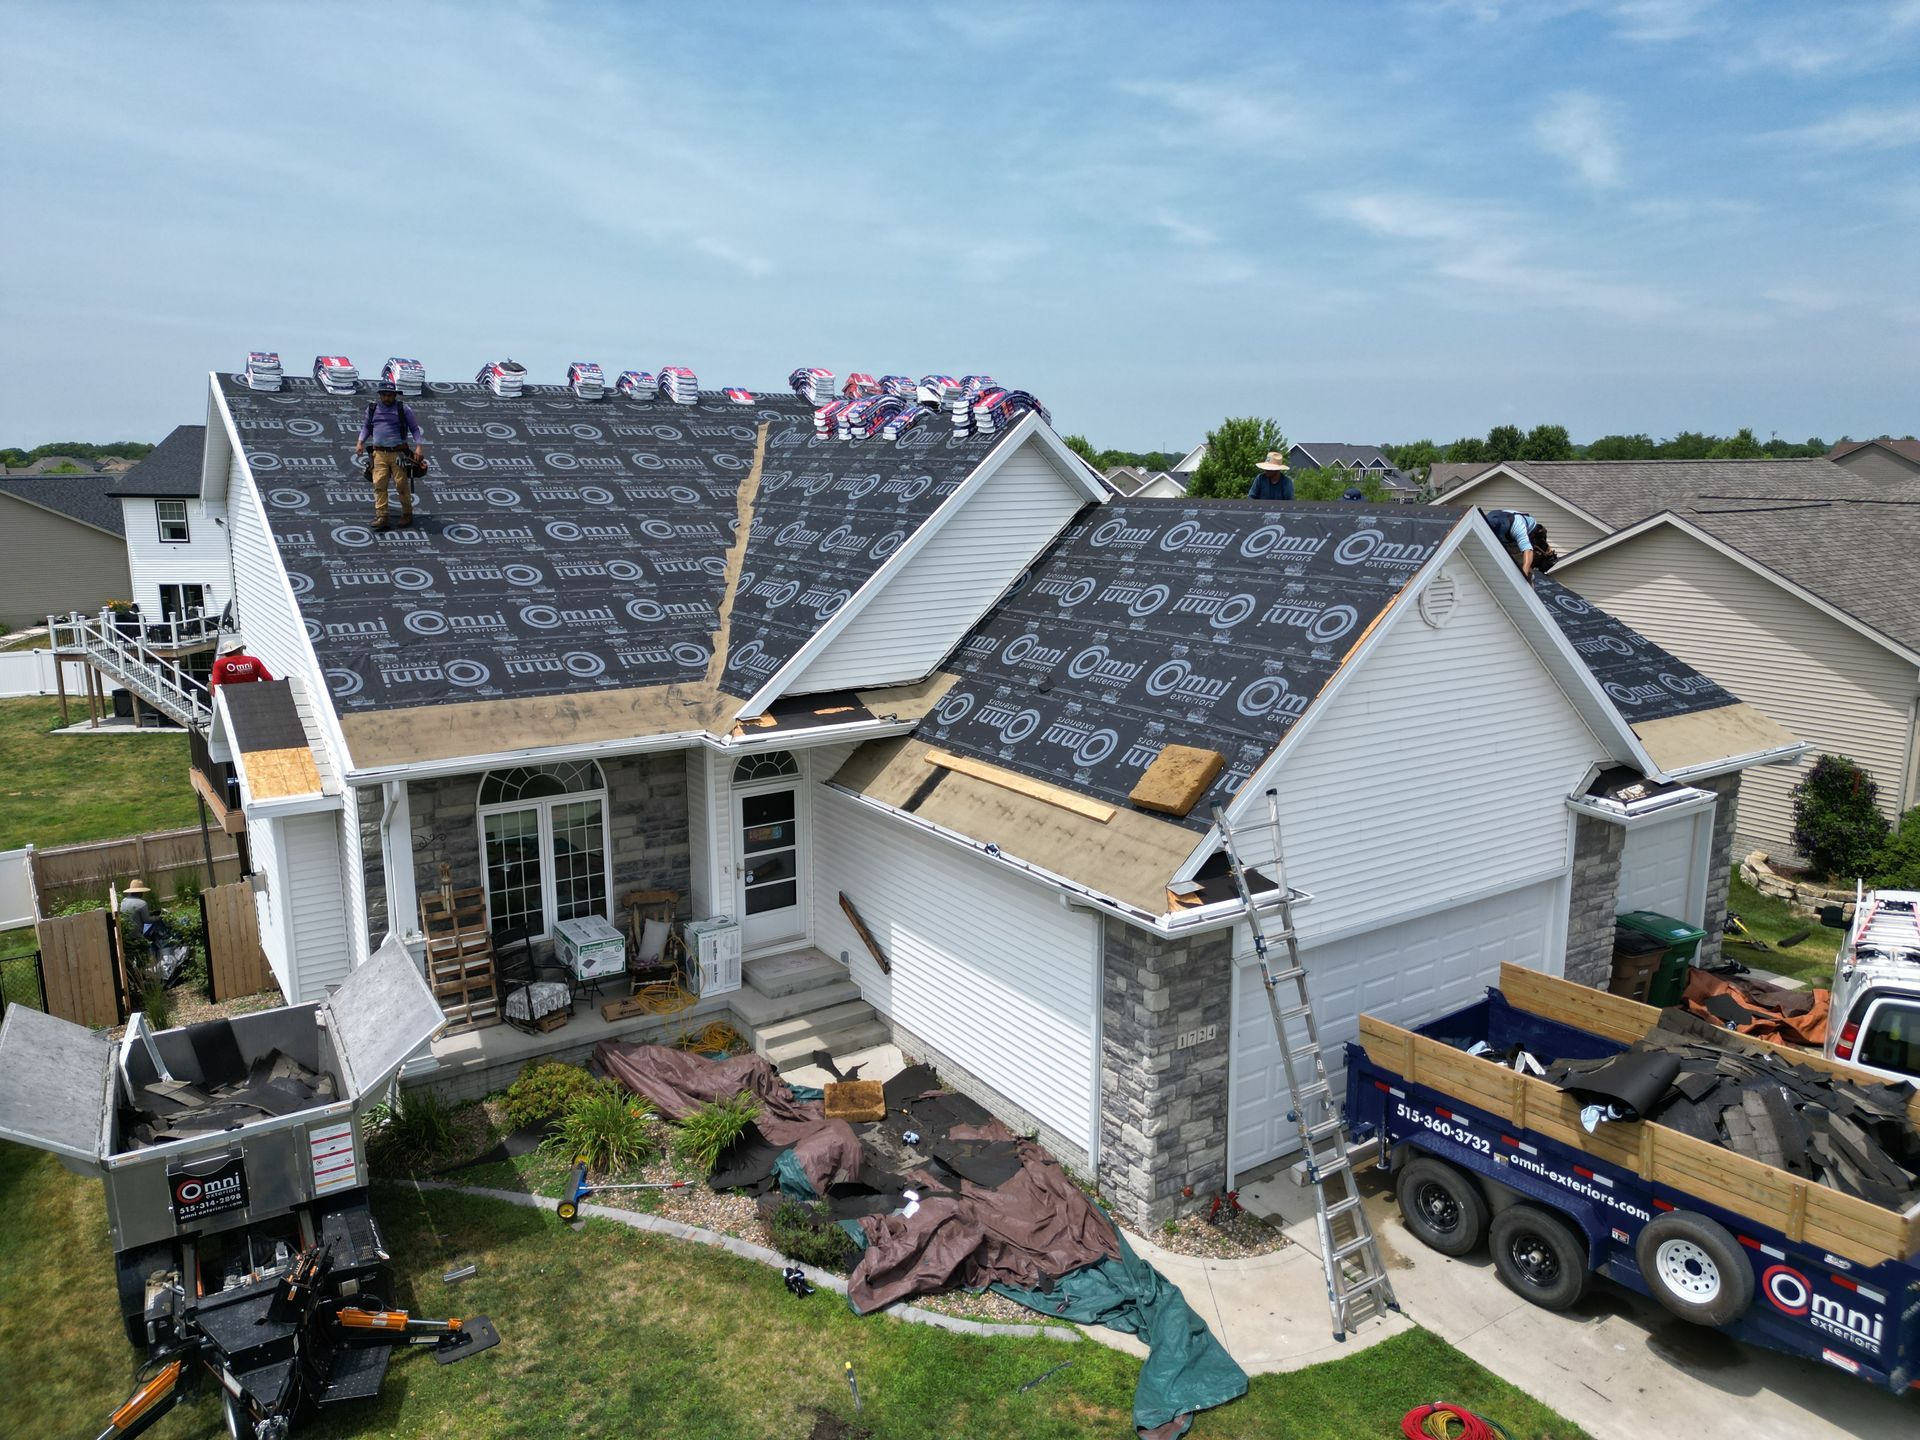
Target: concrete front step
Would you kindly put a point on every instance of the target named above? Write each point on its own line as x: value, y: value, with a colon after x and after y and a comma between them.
x: 778, y: 975
x: 758, y: 1011
x: 828, y: 1017
x: 800, y: 1049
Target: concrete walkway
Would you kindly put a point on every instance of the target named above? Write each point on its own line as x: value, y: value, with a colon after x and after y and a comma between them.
x: 1617, y: 1364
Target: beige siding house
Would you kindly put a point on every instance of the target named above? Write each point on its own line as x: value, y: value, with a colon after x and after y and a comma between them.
x: 1568, y: 528
x: 1885, y: 460
x: 62, y: 547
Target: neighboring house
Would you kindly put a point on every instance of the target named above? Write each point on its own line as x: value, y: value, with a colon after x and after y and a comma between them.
x: 1133, y: 482
x: 1785, y: 580
x: 1184, y: 467
x: 177, y: 546
x: 1881, y: 459
x: 638, y: 644
x: 1447, y: 475
x: 62, y: 547
x: 1361, y: 459
x: 56, y: 465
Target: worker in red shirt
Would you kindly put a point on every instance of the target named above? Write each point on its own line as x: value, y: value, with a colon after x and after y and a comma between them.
x: 235, y: 667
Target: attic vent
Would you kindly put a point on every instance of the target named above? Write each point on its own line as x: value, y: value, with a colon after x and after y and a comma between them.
x: 409, y: 377
x: 585, y: 380
x: 678, y: 384
x: 1438, y: 600
x: 263, y: 370
x: 336, y: 374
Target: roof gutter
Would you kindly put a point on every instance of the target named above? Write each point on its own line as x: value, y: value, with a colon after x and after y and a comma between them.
x: 1779, y: 755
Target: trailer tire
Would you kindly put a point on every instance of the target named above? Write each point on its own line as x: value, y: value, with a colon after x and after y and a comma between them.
x: 1694, y: 1268
x: 1541, y: 1257
x: 1442, y: 1206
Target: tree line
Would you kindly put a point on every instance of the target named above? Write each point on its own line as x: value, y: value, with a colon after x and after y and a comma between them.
x: 14, y: 458
x: 1551, y: 442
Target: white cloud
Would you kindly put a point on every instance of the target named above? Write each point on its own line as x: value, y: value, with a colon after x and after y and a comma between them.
x: 1229, y: 111
x: 1806, y: 299
x: 1659, y: 20
x: 1578, y: 128
x: 1865, y: 128
x: 1184, y: 231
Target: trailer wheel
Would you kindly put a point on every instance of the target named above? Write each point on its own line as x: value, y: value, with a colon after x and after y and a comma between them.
x: 1695, y: 1268
x: 1442, y: 1206
x: 1540, y: 1256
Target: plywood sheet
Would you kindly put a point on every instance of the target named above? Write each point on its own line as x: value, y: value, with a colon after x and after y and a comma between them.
x: 280, y: 774
x: 1700, y: 738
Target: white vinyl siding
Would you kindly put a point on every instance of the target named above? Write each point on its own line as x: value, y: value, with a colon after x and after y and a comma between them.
x: 1439, y: 770
x: 203, y: 560
x: 1566, y: 532
x: 1824, y: 681
x: 315, y: 904
x: 991, y: 970
x: 263, y: 845
x: 1663, y: 867
x: 272, y: 626
x: 944, y: 588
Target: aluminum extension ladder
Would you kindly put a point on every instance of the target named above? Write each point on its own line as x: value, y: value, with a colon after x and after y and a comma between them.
x: 1357, y: 1284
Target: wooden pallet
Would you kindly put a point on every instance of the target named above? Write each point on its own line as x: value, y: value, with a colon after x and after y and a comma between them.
x: 460, y: 955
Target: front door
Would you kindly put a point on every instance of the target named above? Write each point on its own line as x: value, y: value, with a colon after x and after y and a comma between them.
x: 770, y: 863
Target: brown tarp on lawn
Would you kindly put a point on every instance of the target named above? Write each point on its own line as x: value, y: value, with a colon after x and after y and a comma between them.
x: 1753, y: 1007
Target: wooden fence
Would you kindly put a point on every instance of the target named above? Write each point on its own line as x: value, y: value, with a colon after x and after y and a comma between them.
x: 80, y: 968
x: 85, y: 872
x: 236, y: 965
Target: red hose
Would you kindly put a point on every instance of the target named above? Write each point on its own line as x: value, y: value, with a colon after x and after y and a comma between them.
x: 1441, y: 1421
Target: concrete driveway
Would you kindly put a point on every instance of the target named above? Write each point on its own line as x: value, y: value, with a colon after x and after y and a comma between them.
x: 1617, y: 1364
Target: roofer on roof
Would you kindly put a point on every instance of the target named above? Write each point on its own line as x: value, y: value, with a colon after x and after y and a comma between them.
x: 235, y: 667
x: 1525, y: 539
x: 388, y: 428
x: 1273, y: 482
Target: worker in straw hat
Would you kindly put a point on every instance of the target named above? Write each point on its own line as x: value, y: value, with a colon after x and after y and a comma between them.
x: 133, y: 905
x: 1273, y: 482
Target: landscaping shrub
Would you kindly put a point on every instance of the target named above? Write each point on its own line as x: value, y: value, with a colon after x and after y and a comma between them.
x: 1836, y: 823
x: 1898, y: 865
x: 412, y: 1133
x: 710, y: 1129
x: 807, y: 1234
x: 544, y: 1089
x: 608, y: 1127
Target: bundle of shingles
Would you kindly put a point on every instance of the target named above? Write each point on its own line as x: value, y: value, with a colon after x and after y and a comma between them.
x: 638, y: 384
x: 1851, y: 1136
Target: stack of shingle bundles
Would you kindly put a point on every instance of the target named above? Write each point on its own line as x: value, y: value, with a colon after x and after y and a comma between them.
x: 585, y: 380
x: 959, y: 405
x: 899, y: 385
x: 637, y: 384
x: 935, y: 389
x: 677, y: 383
x: 738, y: 396
x: 995, y: 410
x: 409, y: 377
x: 826, y: 419
x: 908, y: 416
x: 1851, y: 1136
x: 812, y: 384
x: 505, y: 378
x: 865, y: 416
x: 860, y: 385
x: 263, y: 370
x: 336, y: 374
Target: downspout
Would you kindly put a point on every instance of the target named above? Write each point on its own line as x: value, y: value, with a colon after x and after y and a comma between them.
x: 392, y: 794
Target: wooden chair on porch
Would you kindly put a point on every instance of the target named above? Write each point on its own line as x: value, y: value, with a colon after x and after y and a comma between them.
x: 655, y: 951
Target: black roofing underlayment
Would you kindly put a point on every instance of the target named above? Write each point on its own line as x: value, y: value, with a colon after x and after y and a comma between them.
x: 1149, y: 622
x: 563, y: 545
x: 1642, y: 680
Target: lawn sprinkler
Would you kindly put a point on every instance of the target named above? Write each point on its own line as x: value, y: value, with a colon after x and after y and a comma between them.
x: 578, y: 1189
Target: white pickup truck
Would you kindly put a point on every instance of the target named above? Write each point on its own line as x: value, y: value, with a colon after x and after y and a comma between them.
x: 1875, y: 1018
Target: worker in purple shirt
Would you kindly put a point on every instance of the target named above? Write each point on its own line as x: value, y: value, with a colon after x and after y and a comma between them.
x: 391, y: 432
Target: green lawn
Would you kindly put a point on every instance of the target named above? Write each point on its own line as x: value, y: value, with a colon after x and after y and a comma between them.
x: 1811, y: 960
x: 608, y: 1332
x: 26, y: 642
x: 69, y: 789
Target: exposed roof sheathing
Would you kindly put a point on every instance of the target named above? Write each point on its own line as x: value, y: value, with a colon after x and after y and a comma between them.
x: 1207, y: 623
x: 580, y: 552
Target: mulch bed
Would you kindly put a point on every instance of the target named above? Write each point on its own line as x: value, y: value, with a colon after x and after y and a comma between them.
x: 1240, y: 1238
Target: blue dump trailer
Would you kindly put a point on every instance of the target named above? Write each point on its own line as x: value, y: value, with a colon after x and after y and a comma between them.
x: 1484, y: 1154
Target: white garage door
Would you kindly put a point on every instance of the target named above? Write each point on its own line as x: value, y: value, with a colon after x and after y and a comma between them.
x: 1660, y: 868
x: 1407, y: 972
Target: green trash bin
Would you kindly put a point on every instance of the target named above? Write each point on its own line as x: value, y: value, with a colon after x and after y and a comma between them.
x: 1682, y: 943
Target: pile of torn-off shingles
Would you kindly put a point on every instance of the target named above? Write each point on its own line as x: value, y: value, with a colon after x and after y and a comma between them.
x: 275, y: 1084
x: 1854, y: 1138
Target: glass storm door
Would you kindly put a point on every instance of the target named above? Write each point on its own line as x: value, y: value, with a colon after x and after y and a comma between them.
x: 769, y: 865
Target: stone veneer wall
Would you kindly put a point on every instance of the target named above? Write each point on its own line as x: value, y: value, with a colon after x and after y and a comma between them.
x: 646, y: 820
x: 1719, y: 861
x: 1163, y: 1111
x: 1597, y: 846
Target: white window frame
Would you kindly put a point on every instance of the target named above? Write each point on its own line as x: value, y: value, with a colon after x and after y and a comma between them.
x: 549, y: 888
x: 161, y: 522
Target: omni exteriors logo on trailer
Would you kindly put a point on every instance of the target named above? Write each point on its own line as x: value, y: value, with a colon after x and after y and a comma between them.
x: 1790, y: 1293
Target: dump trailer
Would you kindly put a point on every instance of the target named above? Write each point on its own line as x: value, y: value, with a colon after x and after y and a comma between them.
x: 234, y: 1159
x: 1487, y: 1154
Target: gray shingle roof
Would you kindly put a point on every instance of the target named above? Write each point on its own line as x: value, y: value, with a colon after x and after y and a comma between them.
x: 1446, y: 474
x: 86, y: 498
x: 1318, y: 453
x: 1619, y: 493
x: 170, y: 469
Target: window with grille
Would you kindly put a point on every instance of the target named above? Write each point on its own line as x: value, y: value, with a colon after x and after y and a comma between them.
x: 768, y: 765
x: 172, y: 515
x: 543, y: 835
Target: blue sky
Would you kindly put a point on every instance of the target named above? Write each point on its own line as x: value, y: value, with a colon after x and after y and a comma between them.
x: 1371, y: 221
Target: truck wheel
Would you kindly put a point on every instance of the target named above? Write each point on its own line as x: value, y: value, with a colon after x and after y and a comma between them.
x: 1694, y: 1268
x: 1540, y: 1256
x: 1442, y: 1206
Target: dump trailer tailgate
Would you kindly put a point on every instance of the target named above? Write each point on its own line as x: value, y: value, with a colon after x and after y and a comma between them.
x: 53, y: 1085
x: 384, y: 1013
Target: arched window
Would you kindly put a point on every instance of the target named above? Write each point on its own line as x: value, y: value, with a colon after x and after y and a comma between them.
x: 767, y: 765
x: 543, y: 837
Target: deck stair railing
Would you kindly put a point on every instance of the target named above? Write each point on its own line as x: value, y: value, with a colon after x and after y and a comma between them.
x: 130, y: 652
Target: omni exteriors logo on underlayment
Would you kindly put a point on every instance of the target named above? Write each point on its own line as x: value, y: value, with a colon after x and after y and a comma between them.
x: 1788, y: 1291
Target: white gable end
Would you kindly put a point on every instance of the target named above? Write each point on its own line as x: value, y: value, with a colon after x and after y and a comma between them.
x: 912, y: 624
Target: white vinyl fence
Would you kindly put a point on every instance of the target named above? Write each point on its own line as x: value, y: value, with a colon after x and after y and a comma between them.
x: 16, y: 888
x: 30, y: 672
